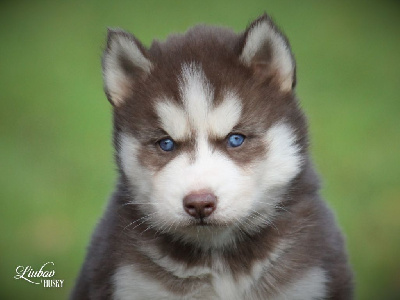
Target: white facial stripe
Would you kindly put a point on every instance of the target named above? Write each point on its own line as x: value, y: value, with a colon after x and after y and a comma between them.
x: 131, y: 165
x: 225, y: 116
x: 197, y: 95
x: 129, y: 149
x: 283, y: 161
x: 173, y: 120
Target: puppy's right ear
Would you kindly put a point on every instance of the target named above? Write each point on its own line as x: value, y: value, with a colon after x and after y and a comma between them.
x: 124, y: 60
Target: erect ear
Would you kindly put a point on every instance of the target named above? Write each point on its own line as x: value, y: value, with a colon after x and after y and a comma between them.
x: 124, y: 60
x: 267, y: 51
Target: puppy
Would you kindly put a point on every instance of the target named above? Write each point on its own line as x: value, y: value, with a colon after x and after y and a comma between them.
x: 216, y: 195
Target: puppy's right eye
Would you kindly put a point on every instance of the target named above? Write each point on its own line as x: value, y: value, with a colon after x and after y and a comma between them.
x: 166, y: 144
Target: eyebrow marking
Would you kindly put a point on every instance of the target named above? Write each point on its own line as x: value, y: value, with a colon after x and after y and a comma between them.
x: 173, y: 120
x: 225, y: 116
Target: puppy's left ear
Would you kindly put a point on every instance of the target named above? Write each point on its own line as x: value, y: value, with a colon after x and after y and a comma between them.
x: 267, y: 52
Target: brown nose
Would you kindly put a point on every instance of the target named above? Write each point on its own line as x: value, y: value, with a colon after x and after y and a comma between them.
x: 200, y: 205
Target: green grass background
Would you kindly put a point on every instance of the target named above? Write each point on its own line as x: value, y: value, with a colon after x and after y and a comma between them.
x: 55, y: 123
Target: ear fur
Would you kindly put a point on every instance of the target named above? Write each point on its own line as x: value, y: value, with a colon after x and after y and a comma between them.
x: 267, y: 51
x: 124, y: 59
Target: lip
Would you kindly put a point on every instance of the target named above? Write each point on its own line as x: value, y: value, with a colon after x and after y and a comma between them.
x: 203, y: 224
x: 206, y: 223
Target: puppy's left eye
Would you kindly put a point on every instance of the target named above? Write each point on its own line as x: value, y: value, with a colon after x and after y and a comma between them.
x: 166, y: 144
x: 235, y: 140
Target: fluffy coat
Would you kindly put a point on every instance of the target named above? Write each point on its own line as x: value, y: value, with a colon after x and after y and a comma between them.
x: 225, y: 105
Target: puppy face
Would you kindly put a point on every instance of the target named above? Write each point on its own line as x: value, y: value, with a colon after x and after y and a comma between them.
x: 207, y: 129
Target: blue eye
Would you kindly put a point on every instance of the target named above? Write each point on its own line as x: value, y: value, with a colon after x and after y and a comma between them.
x: 166, y: 144
x: 235, y: 140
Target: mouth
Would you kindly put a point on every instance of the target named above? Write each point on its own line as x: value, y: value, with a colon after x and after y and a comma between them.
x: 205, y: 222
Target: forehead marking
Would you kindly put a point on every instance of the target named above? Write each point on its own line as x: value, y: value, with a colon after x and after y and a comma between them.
x: 197, y: 113
x: 197, y: 94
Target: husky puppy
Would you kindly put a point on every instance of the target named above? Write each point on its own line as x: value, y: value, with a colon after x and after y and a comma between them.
x: 216, y: 196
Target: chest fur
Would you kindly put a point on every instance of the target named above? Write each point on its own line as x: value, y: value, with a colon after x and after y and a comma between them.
x: 130, y: 283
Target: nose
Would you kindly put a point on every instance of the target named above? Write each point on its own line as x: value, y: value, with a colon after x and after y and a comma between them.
x: 200, y: 205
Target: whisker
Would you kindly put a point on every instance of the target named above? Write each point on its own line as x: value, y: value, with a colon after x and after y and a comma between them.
x: 146, y: 217
x: 238, y: 226
x: 160, y: 230
x: 147, y: 228
x: 265, y: 219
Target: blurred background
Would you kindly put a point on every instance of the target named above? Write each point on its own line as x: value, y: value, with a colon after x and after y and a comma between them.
x: 55, y: 123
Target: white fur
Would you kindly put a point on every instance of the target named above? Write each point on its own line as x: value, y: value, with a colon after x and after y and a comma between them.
x: 173, y: 120
x: 283, y: 161
x: 225, y: 116
x: 197, y: 94
x: 227, y: 288
x: 139, y: 175
x: 130, y: 284
x: 282, y: 60
x: 115, y: 80
x: 311, y: 286
x: 210, y: 171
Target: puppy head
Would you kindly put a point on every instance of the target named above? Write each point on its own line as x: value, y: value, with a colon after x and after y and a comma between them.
x: 207, y: 129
